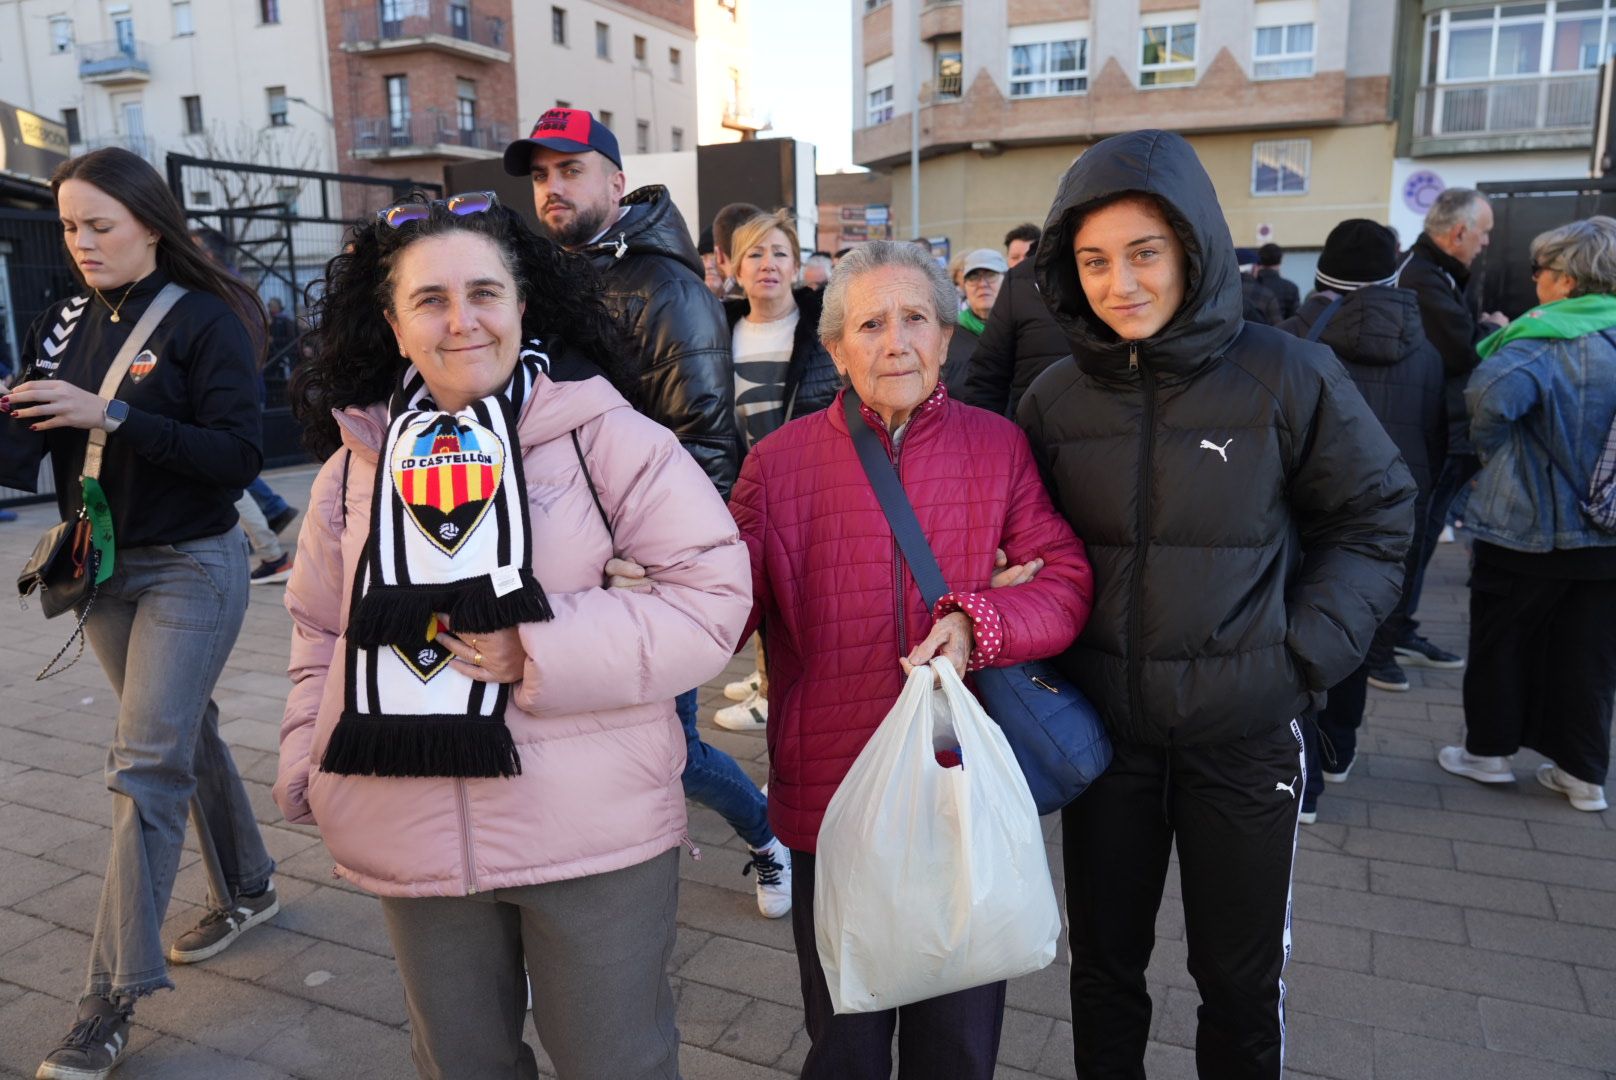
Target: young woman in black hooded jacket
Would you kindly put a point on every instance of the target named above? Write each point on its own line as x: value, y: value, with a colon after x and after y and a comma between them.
x: 1246, y: 518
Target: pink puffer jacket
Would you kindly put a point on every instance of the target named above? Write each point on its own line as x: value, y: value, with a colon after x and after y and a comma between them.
x: 593, y: 720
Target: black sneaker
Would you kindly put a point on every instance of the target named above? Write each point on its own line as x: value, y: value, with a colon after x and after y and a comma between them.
x: 93, y: 1048
x: 218, y: 930
x: 1417, y: 652
x: 272, y: 571
x: 283, y: 519
x: 1386, y: 675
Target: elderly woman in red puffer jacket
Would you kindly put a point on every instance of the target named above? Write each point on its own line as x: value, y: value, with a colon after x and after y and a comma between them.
x: 844, y: 617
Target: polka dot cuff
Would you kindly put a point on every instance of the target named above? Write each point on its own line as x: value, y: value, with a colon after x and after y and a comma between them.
x: 986, y: 626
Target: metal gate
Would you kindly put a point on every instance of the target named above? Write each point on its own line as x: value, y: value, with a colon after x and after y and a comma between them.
x: 275, y: 228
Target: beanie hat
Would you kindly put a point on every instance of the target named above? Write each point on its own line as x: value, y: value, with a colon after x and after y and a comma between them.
x: 1358, y: 252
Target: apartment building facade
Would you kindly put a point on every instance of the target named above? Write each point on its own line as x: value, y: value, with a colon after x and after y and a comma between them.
x: 389, y: 88
x: 1288, y: 103
x: 1495, y: 92
x: 248, y: 78
x: 632, y: 63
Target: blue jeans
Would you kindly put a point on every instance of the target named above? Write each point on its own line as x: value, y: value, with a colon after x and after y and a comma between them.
x: 162, y: 627
x: 713, y: 779
x: 264, y: 495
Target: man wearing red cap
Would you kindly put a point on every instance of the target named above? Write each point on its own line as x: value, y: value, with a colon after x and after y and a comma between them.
x: 654, y: 279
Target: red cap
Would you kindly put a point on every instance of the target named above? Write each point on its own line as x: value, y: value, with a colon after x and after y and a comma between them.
x: 572, y: 130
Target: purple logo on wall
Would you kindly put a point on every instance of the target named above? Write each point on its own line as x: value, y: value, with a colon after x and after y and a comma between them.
x: 1421, y: 189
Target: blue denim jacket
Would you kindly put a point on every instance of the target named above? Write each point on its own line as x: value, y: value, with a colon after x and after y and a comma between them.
x: 1540, y: 410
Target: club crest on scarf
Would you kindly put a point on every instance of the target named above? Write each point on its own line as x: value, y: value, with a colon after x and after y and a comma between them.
x: 446, y: 470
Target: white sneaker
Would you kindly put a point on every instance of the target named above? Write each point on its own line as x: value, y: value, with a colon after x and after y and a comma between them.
x: 1583, y: 795
x: 1339, y: 777
x: 750, y: 715
x: 773, y: 865
x: 1446, y: 535
x: 740, y: 691
x: 1483, y: 770
x: 1308, y: 817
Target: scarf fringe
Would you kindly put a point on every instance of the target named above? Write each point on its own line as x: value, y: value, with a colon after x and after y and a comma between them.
x: 397, y: 614
x: 368, y: 745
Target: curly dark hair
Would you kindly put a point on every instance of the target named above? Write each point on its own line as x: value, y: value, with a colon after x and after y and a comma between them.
x: 354, y: 359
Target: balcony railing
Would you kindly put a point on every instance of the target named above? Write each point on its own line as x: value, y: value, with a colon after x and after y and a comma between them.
x: 1556, y: 103
x: 114, y: 62
x: 416, y: 23
x: 950, y: 86
x: 427, y: 134
x: 144, y: 145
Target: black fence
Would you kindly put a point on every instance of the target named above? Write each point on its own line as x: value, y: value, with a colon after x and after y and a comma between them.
x: 34, y: 274
x: 275, y: 228
x: 1522, y: 210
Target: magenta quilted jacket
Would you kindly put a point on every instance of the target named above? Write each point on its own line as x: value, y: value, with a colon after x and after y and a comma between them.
x: 840, y: 607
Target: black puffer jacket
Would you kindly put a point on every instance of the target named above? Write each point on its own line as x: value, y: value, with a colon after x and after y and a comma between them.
x: 1020, y: 340
x: 1438, y: 279
x: 1283, y: 288
x: 811, y: 380
x: 654, y: 285
x: 1376, y: 333
x: 1245, y: 515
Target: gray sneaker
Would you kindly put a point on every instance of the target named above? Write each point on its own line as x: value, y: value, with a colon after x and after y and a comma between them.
x: 218, y: 930
x: 93, y: 1048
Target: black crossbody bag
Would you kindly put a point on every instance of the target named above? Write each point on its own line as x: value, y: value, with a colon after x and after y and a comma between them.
x: 1055, y: 732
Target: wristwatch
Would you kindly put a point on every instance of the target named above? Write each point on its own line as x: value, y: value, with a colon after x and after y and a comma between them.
x: 113, y: 416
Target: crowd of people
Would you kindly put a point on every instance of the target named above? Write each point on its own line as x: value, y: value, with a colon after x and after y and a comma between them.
x: 567, y: 474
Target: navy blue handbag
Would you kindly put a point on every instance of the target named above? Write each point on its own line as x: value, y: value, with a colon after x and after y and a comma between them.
x: 1055, y: 732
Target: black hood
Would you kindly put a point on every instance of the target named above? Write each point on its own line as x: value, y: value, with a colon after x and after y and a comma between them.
x: 1376, y: 326
x: 656, y: 228
x: 1162, y: 164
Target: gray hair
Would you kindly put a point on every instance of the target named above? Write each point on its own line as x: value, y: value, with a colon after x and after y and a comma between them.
x: 873, y: 256
x: 1455, y: 206
x: 824, y: 262
x: 1585, y: 250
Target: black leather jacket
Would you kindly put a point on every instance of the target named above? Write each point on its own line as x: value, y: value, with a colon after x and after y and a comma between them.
x: 654, y: 285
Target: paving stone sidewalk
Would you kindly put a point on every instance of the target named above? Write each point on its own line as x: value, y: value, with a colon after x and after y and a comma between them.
x: 1442, y: 929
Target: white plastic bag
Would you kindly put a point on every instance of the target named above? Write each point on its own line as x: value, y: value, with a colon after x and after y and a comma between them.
x: 930, y: 879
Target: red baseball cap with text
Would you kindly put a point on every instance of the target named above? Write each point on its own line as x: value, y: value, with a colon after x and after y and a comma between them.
x: 568, y: 130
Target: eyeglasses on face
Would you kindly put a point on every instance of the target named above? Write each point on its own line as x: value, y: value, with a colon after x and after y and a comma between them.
x: 1538, y: 269
x: 467, y: 202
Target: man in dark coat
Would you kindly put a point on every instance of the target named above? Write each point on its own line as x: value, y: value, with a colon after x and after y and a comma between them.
x: 1269, y: 258
x: 982, y: 276
x: 1374, y: 329
x: 653, y: 276
x: 1020, y: 340
x: 1457, y: 229
x: 1246, y: 518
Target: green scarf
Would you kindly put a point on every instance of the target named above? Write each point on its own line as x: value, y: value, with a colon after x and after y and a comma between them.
x: 1559, y: 320
x: 968, y: 319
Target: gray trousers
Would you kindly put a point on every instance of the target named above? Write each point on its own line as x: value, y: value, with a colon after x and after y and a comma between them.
x: 162, y: 627
x: 597, y: 951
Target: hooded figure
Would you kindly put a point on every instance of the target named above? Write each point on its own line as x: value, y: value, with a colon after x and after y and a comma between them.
x: 1374, y: 328
x: 1246, y: 518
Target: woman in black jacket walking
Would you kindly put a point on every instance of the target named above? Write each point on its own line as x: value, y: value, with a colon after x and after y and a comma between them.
x: 1246, y: 518
x: 1375, y: 331
x: 182, y: 441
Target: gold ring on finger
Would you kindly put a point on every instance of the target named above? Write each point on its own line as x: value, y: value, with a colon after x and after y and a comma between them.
x: 477, y: 659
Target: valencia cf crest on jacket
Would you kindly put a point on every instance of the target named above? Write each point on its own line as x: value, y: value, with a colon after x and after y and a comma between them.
x: 142, y: 365
x: 446, y: 470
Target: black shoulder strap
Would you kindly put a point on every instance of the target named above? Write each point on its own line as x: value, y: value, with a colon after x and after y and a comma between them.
x: 1324, y: 318
x: 578, y: 448
x: 895, y: 504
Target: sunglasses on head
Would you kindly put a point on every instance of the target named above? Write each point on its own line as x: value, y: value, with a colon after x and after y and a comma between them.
x: 467, y: 202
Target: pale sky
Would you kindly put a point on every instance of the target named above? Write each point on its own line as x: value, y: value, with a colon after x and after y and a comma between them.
x: 802, y: 74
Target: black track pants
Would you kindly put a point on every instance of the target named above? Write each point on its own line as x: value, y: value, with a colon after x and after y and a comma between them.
x: 1232, y: 808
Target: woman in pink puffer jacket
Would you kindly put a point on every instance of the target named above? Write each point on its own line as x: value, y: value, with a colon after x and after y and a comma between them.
x: 572, y: 861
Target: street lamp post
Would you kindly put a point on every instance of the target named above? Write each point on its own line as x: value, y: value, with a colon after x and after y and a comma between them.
x: 914, y: 125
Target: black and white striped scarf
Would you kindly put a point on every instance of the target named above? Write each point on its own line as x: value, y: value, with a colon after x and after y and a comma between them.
x: 449, y: 534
